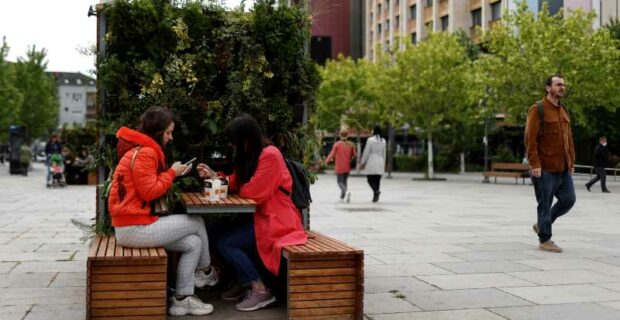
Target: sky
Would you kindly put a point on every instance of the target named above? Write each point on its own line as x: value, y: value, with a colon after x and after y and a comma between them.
x: 62, y: 27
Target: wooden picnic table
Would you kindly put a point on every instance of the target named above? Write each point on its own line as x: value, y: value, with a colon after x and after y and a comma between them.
x: 197, y: 203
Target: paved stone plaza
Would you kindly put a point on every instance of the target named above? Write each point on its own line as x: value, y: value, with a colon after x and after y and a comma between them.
x: 456, y: 249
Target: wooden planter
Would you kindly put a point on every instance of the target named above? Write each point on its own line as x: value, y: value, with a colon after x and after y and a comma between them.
x: 325, y: 280
x: 125, y: 283
x: 92, y: 178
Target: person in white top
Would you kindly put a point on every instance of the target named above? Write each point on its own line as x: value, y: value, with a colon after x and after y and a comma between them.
x: 373, y: 161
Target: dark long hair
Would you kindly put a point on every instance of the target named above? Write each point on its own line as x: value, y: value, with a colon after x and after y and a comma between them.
x: 245, y: 135
x: 153, y: 123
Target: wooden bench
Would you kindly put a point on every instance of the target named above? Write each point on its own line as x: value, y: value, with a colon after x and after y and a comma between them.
x: 125, y: 283
x: 325, y: 279
x: 513, y: 170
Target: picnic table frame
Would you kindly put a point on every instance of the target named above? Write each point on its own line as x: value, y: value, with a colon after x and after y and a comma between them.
x: 197, y: 203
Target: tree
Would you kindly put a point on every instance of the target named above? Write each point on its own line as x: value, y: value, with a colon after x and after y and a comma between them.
x: 428, y: 84
x: 10, y: 97
x: 525, y: 48
x: 39, y: 108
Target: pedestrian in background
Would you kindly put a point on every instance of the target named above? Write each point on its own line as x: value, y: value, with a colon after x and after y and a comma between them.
x: 373, y: 161
x: 601, y: 158
x: 343, y: 152
x: 25, y: 155
x: 551, y: 155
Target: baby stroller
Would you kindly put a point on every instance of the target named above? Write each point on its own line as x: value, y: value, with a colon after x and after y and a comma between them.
x: 56, y: 172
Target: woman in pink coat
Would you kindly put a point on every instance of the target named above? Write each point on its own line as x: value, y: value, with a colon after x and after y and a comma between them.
x: 343, y: 152
x: 259, y: 174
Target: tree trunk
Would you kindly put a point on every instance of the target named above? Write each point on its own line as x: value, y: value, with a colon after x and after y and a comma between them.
x: 462, y: 162
x: 390, y: 149
x: 358, y: 147
x: 430, y: 154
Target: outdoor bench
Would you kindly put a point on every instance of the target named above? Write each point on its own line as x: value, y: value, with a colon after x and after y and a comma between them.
x: 125, y: 283
x: 512, y: 170
x: 325, y: 279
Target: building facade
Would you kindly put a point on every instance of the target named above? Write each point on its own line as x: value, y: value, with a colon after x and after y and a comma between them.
x: 336, y: 29
x: 77, y: 97
x: 386, y: 20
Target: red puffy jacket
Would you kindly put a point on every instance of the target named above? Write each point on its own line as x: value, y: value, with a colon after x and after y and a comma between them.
x: 132, y: 190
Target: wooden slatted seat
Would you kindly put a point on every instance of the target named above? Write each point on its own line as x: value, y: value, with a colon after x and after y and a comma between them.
x: 125, y: 283
x: 510, y: 170
x: 325, y: 279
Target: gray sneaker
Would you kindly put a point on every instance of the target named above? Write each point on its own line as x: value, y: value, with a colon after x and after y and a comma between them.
x: 256, y: 300
x: 235, y: 293
x: 202, y: 279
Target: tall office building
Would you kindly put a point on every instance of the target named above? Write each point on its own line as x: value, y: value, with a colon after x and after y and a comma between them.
x: 414, y: 19
x: 336, y: 29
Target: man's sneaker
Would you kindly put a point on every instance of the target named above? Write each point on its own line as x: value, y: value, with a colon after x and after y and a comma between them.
x: 347, y: 197
x: 606, y: 191
x: 549, y: 246
x: 201, y: 279
x: 235, y: 293
x: 535, y: 227
x: 588, y: 187
x: 190, y: 305
x: 255, y: 300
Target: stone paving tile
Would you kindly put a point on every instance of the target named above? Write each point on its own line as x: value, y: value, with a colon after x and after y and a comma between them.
x: 42, y: 296
x: 463, y: 299
x: 69, y: 279
x: 473, y: 281
x: 484, y: 266
x: 375, y: 303
x: 576, y: 311
x: 611, y: 286
x: 26, y: 280
x: 57, y: 312
x: 610, y: 260
x: 492, y: 255
x: 554, y: 277
x: 387, y: 284
x: 5, y: 267
x: 498, y: 246
x: 416, y: 248
x: 415, y: 258
x: 403, y: 270
x: 13, y: 312
x: 573, y: 293
x: 611, y: 304
x: 35, y: 256
x: 51, y: 266
x: 473, y: 314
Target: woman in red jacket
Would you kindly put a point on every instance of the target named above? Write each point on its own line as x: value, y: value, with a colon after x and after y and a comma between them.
x: 343, y: 152
x: 140, y: 178
x: 260, y: 173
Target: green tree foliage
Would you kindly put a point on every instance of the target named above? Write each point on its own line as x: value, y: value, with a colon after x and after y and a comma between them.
x: 525, y: 48
x: 429, y: 84
x: 10, y: 97
x: 207, y: 65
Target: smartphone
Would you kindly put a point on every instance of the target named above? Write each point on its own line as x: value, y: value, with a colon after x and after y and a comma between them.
x: 190, y: 161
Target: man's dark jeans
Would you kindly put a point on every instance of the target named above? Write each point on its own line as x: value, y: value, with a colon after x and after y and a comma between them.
x: 547, y: 186
x: 600, y: 175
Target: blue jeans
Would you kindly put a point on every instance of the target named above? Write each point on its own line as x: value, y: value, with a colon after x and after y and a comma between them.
x: 547, y: 186
x: 237, y: 247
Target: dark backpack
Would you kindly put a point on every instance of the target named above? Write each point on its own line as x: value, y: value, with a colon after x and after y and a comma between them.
x: 301, y: 187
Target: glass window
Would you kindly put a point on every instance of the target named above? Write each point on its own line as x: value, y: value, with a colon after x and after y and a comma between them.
x: 387, y: 24
x: 496, y: 11
x: 445, y: 21
x: 379, y: 8
x: 396, y: 22
x: 413, y: 13
x: 429, y: 3
x: 413, y: 38
x: 378, y: 28
x: 476, y: 17
x: 387, y: 5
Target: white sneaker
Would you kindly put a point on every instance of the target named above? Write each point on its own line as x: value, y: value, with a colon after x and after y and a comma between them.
x: 347, y: 197
x: 190, y: 305
x: 201, y: 279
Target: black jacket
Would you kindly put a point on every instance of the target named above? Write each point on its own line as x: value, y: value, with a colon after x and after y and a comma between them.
x: 601, y: 156
x: 52, y: 147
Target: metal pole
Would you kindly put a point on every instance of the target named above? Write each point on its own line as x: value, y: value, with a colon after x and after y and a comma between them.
x: 486, y: 147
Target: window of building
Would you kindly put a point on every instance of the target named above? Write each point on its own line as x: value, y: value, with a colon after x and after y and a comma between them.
x: 77, y: 96
x: 387, y: 24
x: 429, y: 26
x: 429, y: 3
x: 554, y: 6
x: 371, y: 17
x: 78, y: 81
x: 378, y: 28
x: 379, y: 8
x: 396, y: 22
x: 476, y: 18
x: 387, y: 5
x: 397, y: 3
x: 445, y: 21
x: 413, y: 38
x: 496, y: 11
x: 413, y: 13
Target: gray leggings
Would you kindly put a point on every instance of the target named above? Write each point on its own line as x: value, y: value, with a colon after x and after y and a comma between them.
x: 183, y: 233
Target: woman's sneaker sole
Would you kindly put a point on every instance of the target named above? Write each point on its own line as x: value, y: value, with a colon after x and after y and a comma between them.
x: 180, y: 311
x: 260, y: 305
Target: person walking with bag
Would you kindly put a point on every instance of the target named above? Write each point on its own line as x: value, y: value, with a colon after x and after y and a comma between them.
x: 601, y: 160
x: 139, y: 179
x: 551, y: 156
x: 343, y: 152
x: 373, y: 161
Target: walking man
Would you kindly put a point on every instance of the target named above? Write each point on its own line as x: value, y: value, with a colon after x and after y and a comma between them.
x: 601, y: 156
x: 551, y: 156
